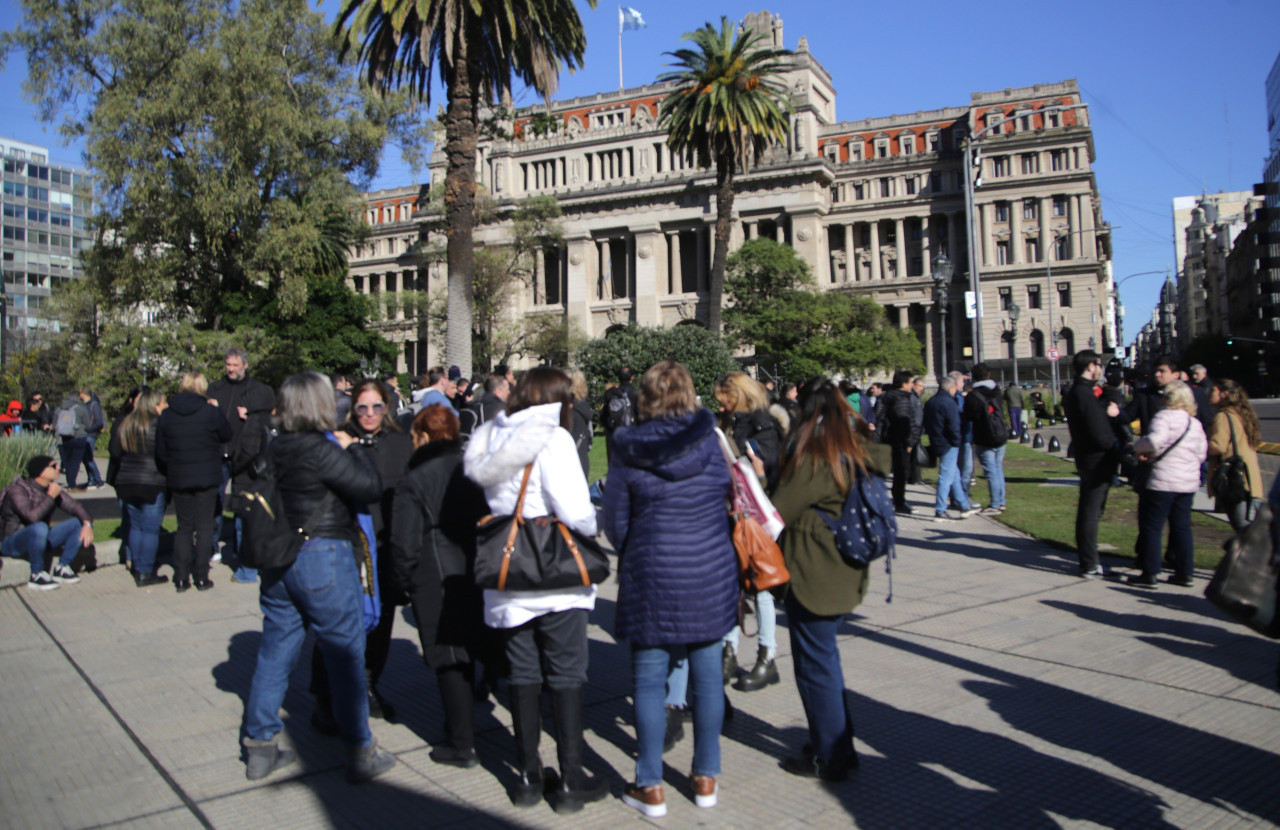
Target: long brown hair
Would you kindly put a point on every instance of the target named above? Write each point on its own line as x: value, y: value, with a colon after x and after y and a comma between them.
x: 1231, y: 395
x: 542, y: 385
x: 373, y: 385
x: 825, y: 432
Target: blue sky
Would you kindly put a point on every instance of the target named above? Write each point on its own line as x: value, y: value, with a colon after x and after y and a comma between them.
x: 1175, y: 88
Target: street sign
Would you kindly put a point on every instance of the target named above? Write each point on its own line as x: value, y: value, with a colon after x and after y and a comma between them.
x: 972, y: 304
x: 1053, y: 354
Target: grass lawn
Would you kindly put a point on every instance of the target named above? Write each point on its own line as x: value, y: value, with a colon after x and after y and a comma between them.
x: 1049, y: 513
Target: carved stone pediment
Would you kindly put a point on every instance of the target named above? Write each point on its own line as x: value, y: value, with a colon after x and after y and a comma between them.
x: 688, y: 309
x: 616, y: 314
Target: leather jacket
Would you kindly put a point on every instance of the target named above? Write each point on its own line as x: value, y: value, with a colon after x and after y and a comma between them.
x: 308, y: 465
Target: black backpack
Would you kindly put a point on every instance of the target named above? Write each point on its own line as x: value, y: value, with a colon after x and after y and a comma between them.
x: 269, y: 540
x: 617, y: 409
x: 989, y: 426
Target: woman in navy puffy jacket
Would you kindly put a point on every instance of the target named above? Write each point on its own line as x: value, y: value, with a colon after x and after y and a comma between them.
x: 665, y: 513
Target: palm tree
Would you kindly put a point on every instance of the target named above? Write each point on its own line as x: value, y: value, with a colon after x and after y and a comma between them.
x: 729, y: 107
x: 479, y: 46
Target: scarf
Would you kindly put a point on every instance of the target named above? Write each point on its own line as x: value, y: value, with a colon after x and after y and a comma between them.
x: 366, y: 562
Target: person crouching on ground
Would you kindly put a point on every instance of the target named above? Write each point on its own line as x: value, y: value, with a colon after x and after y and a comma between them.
x: 25, y: 510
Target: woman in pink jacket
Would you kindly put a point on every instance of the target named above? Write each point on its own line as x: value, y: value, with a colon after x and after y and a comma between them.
x: 1176, y: 446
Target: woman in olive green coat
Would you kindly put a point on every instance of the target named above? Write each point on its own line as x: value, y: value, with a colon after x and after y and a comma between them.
x: 822, y: 458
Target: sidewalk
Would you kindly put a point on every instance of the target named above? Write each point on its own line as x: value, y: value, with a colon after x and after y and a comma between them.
x: 997, y: 690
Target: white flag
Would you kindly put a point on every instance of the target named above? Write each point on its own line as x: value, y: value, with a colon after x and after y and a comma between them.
x: 629, y: 18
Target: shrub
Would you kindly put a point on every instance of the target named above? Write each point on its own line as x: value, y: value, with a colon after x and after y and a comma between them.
x: 706, y: 356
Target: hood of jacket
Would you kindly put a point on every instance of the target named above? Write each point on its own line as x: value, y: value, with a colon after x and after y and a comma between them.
x: 502, y: 447
x: 71, y: 402
x: 665, y: 446
x: 187, y: 403
x: 986, y: 384
x: 432, y: 450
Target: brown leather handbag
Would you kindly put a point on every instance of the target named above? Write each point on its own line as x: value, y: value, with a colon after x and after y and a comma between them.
x: 759, y: 557
x: 518, y: 554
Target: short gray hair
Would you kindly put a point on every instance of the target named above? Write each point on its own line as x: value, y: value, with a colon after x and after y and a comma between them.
x: 946, y: 382
x: 306, y: 404
x: 238, y: 353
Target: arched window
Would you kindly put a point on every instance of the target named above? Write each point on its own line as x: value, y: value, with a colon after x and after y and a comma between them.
x: 1037, y: 343
x: 1010, y: 349
x: 1067, y: 337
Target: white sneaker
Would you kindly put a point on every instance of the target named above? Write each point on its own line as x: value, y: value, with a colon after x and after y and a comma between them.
x: 42, y: 582
x: 63, y: 574
x: 215, y: 559
x: 972, y: 511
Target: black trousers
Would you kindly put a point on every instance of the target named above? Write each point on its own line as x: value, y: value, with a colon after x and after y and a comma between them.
x: 901, y: 472
x: 1094, y: 486
x: 195, y: 510
x: 554, y: 645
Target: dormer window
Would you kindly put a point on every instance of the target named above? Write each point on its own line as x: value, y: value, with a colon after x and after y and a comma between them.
x: 907, y: 143
x: 994, y: 119
x: 855, y: 150
x: 831, y: 150
x: 933, y: 140
x: 882, y: 146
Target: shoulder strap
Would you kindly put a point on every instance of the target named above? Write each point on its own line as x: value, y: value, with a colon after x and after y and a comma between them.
x: 1168, y: 449
x: 517, y: 519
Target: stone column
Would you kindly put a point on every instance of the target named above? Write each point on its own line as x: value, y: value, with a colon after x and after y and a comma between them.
x: 902, y: 315
x: 875, y: 250
x: 1073, y: 224
x: 650, y: 270
x: 1088, y: 245
x: 900, y: 244
x: 780, y: 231
x: 579, y: 251
x: 808, y: 240
x: 539, y: 269
x: 1046, y: 233
x: 926, y: 246
x: 984, y: 234
x: 850, y: 257
x: 1015, y: 232
x: 928, y: 336
x: 753, y: 230
x: 675, y: 274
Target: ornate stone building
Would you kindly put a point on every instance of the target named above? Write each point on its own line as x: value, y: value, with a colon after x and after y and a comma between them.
x: 869, y: 204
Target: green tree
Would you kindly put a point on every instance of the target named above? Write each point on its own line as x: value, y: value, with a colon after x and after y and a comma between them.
x: 223, y: 138
x: 705, y: 355
x: 778, y: 310
x: 480, y: 48
x: 728, y: 106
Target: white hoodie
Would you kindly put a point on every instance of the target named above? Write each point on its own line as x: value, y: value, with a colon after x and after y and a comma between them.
x: 495, y: 459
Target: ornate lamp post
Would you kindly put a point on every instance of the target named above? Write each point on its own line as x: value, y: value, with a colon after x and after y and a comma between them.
x: 1015, y: 311
x: 942, y: 270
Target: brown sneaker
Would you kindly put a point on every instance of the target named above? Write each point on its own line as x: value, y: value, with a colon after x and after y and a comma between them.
x: 705, y: 790
x: 648, y: 800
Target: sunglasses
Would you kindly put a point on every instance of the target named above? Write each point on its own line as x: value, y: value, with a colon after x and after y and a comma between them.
x: 53, y: 465
x: 37, y: 400
x: 370, y: 408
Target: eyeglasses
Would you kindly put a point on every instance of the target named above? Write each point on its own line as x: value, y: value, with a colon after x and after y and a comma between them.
x: 370, y: 408
x: 37, y: 400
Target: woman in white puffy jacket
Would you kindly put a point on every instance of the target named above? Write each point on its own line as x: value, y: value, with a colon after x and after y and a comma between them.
x: 541, y: 628
x: 1177, y: 444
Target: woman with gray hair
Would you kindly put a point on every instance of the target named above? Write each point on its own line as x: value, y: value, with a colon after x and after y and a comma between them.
x: 1175, y: 447
x: 319, y: 473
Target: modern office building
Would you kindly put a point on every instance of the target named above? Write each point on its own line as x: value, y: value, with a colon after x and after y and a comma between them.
x: 46, y: 212
x: 868, y: 203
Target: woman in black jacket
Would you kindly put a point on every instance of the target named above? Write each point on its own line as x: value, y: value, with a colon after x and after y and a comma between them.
x: 319, y: 474
x: 189, y: 452
x: 370, y: 421
x: 140, y: 485
x: 433, y: 550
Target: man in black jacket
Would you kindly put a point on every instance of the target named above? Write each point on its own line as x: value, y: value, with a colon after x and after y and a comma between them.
x: 898, y: 428
x: 1095, y: 454
x: 496, y: 391
x: 985, y: 411
x: 247, y: 405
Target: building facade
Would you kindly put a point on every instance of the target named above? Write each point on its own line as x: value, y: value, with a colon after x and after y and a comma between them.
x: 46, y: 211
x: 1202, y: 226
x: 869, y: 204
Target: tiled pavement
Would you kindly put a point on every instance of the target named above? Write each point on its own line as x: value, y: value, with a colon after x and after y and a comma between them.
x: 997, y: 690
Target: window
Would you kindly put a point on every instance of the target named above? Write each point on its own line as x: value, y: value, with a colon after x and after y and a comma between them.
x: 1053, y: 120
x: 999, y: 166
x: 1030, y: 163
x: 1037, y: 343
x: 1059, y: 205
x: 16, y: 234
x: 935, y: 182
x: 1060, y: 248
x: 1002, y: 211
x: 1029, y: 209
x: 907, y: 143
x: 886, y: 188
x: 855, y: 150
x: 831, y: 150
x: 1057, y: 160
x: 1024, y: 121
x: 1032, y: 250
x: 911, y: 185
x: 993, y: 119
x: 1033, y: 296
x: 1069, y: 337
x: 1002, y: 252
x: 1006, y: 298
x: 933, y: 140
x: 858, y: 194
x: 882, y: 148
x: 15, y: 189
x: 13, y: 211
x: 1064, y: 295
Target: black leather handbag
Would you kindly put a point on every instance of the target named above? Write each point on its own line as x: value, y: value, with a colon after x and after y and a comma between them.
x: 1231, y: 479
x: 514, y: 553
x: 1244, y: 584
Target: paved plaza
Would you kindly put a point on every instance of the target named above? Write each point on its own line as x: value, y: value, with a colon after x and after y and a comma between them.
x: 997, y: 690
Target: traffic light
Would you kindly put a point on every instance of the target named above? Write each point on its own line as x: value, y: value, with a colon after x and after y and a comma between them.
x: 1230, y: 341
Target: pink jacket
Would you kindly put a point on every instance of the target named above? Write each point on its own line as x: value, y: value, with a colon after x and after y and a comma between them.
x: 1179, y: 470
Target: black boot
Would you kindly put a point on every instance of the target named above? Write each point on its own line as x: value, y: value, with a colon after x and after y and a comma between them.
x: 576, y: 788
x: 526, y: 723
x: 728, y: 663
x: 459, y: 749
x: 764, y: 674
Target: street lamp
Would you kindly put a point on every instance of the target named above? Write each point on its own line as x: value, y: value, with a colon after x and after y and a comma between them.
x: 1015, y: 311
x: 942, y: 270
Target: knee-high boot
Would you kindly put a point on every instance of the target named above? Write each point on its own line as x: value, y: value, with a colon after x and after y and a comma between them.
x: 526, y: 723
x: 576, y: 787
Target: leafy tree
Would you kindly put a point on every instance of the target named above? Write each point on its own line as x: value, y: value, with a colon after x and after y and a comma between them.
x: 223, y: 138
x: 705, y: 355
x: 729, y: 105
x: 480, y: 47
x: 778, y: 310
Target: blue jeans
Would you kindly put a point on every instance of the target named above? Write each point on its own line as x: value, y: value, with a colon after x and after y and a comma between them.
x: 91, y: 466
x: 820, y: 681
x: 71, y: 451
x: 678, y: 681
x: 992, y: 461
x: 1015, y: 421
x: 34, y: 541
x: 1154, y: 509
x: 949, y: 482
x: 144, y: 532
x: 767, y: 616
x: 321, y: 589
x: 125, y: 555
x: 242, y: 573
x: 966, y: 468
x: 649, y: 671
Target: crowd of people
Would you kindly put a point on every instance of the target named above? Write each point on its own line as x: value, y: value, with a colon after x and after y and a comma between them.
x: 390, y: 491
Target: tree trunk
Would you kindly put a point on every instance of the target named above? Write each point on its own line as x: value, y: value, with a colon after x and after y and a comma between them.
x: 725, y: 167
x: 459, y: 208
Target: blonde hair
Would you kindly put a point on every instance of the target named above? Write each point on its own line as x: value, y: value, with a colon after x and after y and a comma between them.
x: 579, y: 385
x: 194, y: 382
x: 1177, y: 395
x: 135, y: 429
x: 737, y: 392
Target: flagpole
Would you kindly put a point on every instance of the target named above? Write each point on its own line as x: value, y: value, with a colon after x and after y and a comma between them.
x: 620, y: 87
